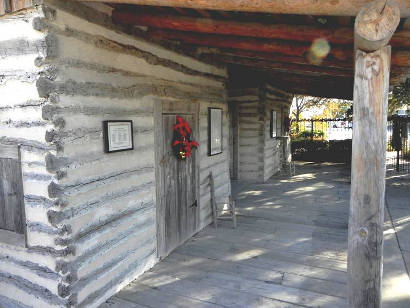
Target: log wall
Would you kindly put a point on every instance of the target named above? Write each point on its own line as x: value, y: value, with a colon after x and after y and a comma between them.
x: 260, y: 156
x: 276, y: 150
x: 251, y: 121
x: 91, y: 216
x: 28, y: 273
x: 218, y: 164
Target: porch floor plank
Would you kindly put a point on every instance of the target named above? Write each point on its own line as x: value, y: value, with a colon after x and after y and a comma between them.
x: 289, y: 250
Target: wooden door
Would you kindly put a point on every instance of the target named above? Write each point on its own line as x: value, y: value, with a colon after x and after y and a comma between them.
x: 180, y: 204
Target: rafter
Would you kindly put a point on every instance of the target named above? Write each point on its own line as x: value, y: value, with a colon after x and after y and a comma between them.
x: 253, y: 44
x: 305, y: 7
x: 306, y: 70
x: 301, y: 33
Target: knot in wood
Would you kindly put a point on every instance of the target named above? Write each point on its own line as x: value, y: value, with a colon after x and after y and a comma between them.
x: 363, y: 232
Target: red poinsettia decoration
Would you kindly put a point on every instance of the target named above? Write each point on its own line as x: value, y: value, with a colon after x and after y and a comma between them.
x: 181, y: 142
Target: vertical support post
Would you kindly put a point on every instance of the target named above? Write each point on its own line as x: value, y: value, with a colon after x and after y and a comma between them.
x: 374, y: 27
x: 311, y: 128
x: 365, y: 255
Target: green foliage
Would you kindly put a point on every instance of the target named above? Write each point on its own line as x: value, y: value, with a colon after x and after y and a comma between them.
x: 400, y: 96
x: 325, y: 107
x: 307, y: 134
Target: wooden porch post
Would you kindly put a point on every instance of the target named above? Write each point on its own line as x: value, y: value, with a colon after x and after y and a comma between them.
x: 374, y: 26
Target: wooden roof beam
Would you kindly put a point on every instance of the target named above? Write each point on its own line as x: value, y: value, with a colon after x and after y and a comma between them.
x: 306, y: 7
x: 274, y: 57
x: 301, y: 33
x: 247, y: 43
x: 306, y: 70
x: 287, y: 48
x: 398, y: 73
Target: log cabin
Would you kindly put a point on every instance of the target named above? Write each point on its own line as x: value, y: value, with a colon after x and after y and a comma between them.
x: 79, y: 221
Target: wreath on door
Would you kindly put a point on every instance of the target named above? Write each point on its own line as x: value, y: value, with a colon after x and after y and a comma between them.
x: 181, y: 142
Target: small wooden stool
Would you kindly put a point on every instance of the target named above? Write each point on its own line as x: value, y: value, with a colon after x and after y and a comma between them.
x: 215, y: 210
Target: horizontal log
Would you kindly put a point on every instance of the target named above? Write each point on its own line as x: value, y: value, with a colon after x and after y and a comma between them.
x: 254, y: 44
x: 301, y: 33
x: 375, y: 25
x: 308, y: 70
x: 400, y: 59
x: 304, y: 7
x: 275, y: 57
x: 278, y: 51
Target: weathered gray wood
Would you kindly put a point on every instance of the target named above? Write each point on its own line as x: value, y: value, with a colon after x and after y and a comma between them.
x: 192, y: 266
x: 180, y: 189
x: 375, y: 25
x: 233, y: 110
x: 240, y: 291
x: 11, y: 192
x: 233, y: 211
x: 213, y: 201
x: 9, y: 151
x: 159, y: 179
x: 170, y: 185
x: 209, y: 291
x: 154, y: 297
x: 368, y: 178
x: 116, y: 302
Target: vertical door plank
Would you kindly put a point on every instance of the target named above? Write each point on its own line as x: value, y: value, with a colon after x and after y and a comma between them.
x: 159, y: 179
x: 180, y: 189
x: 192, y: 202
x: 3, y: 216
x: 170, y: 185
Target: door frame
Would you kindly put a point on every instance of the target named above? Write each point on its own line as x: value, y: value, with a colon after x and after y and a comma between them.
x: 162, y: 107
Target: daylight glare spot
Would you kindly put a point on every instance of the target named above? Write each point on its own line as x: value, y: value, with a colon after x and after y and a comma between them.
x: 319, y: 50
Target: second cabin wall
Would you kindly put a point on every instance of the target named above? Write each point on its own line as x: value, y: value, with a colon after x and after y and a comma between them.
x: 251, y: 124
x: 276, y: 150
x: 259, y: 155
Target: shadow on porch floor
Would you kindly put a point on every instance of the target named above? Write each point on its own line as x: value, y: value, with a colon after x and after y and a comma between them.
x: 289, y: 249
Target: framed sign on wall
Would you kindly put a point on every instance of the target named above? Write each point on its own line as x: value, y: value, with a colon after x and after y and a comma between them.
x: 214, y: 131
x: 118, y: 136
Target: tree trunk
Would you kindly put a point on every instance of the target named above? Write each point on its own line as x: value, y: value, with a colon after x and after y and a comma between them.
x: 297, y: 118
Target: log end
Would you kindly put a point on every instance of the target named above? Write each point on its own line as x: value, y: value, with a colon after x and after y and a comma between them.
x: 375, y: 25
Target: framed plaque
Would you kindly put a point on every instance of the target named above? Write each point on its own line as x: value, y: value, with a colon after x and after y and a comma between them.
x: 118, y: 136
x: 214, y: 131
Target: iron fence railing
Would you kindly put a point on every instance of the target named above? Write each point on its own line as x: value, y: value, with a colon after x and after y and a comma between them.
x: 398, y: 135
x: 322, y: 129
x: 398, y: 146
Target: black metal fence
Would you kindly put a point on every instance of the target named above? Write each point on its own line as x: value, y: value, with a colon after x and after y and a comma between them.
x: 398, y: 147
x: 322, y: 129
x: 328, y: 131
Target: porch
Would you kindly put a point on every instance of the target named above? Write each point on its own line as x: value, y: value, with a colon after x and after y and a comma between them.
x: 289, y: 250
